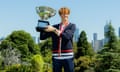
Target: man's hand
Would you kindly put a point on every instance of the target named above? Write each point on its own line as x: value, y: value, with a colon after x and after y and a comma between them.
x: 49, y: 29
x: 52, y: 29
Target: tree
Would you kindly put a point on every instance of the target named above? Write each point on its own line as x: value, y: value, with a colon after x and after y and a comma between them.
x: 18, y: 48
x: 23, y: 41
x: 83, y: 55
x: 110, y: 56
x: 9, y: 55
x: 84, y: 47
x: 46, y: 52
x: 111, y: 45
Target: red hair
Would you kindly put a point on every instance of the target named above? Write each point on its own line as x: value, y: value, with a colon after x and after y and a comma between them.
x: 64, y: 10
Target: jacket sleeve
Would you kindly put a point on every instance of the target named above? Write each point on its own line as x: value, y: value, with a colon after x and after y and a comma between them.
x: 43, y: 35
x: 68, y: 34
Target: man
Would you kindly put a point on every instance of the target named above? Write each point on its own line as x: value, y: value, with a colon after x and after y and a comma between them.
x: 62, y: 48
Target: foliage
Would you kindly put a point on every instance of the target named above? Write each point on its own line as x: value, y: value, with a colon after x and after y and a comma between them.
x: 75, y: 47
x: 37, y: 63
x: 17, y: 49
x: 84, y: 63
x: 18, y: 68
x: 23, y: 41
x: 112, y: 70
x: 9, y: 55
x: 1, y: 60
x: 112, y: 39
x: 109, y: 56
x: 45, y: 49
x: 83, y: 56
x: 84, y: 48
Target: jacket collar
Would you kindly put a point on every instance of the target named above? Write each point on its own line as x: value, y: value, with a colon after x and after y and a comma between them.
x: 67, y: 26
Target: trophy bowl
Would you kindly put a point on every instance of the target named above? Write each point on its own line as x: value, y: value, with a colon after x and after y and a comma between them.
x: 44, y: 13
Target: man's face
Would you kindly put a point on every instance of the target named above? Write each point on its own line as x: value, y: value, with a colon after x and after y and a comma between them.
x: 64, y: 17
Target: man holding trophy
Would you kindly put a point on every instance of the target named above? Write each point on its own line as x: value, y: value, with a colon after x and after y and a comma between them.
x: 62, y: 35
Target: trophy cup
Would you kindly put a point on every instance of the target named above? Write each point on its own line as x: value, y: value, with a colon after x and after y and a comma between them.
x: 44, y: 13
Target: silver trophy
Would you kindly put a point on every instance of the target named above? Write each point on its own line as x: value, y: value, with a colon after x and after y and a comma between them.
x: 44, y: 13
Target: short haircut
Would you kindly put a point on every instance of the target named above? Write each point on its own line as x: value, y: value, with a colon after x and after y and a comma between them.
x: 64, y: 10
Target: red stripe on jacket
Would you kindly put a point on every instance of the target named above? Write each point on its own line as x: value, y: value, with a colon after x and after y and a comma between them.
x: 63, y: 51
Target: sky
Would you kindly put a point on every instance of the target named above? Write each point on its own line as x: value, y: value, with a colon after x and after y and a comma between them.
x: 88, y: 15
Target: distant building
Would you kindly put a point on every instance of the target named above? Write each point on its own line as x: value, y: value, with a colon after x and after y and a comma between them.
x: 94, y: 36
x: 97, y: 44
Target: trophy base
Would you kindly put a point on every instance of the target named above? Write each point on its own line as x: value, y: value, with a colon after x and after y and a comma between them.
x: 39, y: 29
x: 42, y: 25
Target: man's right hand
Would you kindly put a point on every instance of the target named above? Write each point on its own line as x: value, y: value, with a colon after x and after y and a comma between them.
x: 49, y: 29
